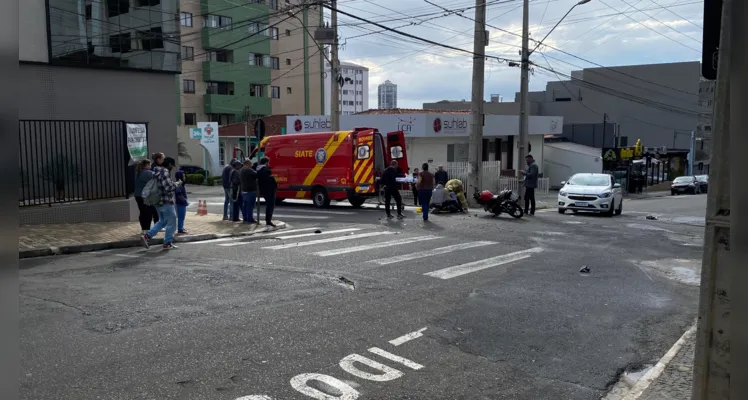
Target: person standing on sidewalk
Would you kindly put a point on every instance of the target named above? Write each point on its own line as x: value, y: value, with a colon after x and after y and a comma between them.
x: 425, y: 187
x: 236, y: 191
x: 158, y: 159
x: 441, y: 176
x: 267, y: 185
x: 389, y: 180
x: 143, y: 175
x: 226, y: 182
x: 531, y: 182
x: 166, y: 209
x: 181, y: 203
x: 248, y: 177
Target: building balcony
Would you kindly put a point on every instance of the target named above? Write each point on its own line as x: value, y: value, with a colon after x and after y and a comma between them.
x: 237, y: 72
x: 234, y: 104
x: 231, y: 38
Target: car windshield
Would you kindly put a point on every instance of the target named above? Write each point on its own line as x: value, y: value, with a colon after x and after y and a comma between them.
x: 683, y: 179
x: 702, y: 178
x: 590, y: 180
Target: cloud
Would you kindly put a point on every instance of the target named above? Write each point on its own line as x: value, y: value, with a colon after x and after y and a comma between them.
x: 609, y: 32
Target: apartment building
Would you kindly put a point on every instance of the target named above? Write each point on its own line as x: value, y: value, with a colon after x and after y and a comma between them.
x: 704, y: 128
x: 387, y: 96
x: 87, y: 68
x: 252, y: 55
x: 354, y: 94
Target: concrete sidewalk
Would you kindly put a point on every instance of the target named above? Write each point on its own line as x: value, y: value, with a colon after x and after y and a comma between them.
x: 670, y: 379
x: 51, y: 239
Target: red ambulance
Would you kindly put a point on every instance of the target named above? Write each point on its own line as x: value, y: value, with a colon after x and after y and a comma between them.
x: 327, y: 166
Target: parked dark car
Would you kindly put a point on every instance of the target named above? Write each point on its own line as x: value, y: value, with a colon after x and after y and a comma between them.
x: 703, y: 182
x: 192, y: 169
x: 685, y: 185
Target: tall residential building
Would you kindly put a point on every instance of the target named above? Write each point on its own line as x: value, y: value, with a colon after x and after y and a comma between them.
x: 255, y: 56
x: 387, y: 95
x: 704, y: 128
x: 354, y: 95
x: 86, y: 68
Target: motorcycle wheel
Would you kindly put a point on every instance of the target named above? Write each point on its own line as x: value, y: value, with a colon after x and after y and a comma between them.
x: 514, y: 210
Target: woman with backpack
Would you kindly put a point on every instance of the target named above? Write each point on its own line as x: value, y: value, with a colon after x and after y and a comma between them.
x: 143, y: 175
x: 181, y: 203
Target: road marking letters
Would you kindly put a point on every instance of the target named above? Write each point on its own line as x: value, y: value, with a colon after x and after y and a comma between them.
x: 407, y: 337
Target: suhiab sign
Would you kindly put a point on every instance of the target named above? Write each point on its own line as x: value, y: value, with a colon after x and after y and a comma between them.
x: 305, y: 124
x: 450, y: 124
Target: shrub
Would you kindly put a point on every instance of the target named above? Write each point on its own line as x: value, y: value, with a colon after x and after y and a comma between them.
x: 213, y: 179
x: 194, y: 179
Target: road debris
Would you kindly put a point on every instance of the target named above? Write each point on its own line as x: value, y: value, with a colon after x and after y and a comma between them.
x: 585, y: 269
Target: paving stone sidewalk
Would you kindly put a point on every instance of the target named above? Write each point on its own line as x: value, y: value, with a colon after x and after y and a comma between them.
x: 43, y: 240
x: 675, y: 381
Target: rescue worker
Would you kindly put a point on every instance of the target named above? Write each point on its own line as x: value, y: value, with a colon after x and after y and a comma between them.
x: 455, y: 186
x: 389, y: 180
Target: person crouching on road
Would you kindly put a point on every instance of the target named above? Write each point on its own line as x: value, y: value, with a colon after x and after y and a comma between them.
x: 438, y: 197
x: 248, y: 177
x: 181, y: 202
x: 389, y: 180
x: 267, y: 185
x: 425, y: 185
x: 236, y: 192
x: 166, y: 210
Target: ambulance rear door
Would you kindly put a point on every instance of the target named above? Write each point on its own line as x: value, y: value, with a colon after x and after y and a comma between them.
x: 364, y: 162
x: 396, y: 150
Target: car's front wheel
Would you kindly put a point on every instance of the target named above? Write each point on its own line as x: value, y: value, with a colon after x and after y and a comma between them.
x: 619, y: 210
x: 561, y: 210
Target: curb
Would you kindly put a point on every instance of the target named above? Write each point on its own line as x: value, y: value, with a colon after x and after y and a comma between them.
x: 645, y: 381
x: 122, y: 244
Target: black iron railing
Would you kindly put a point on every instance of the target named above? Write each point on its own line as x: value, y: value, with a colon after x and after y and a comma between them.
x: 72, y: 161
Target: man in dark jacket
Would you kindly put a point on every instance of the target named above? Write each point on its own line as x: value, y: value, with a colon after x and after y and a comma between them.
x: 228, y: 205
x: 441, y: 176
x: 389, y: 180
x: 235, y: 191
x: 248, y: 177
x: 531, y: 182
x: 267, y: 185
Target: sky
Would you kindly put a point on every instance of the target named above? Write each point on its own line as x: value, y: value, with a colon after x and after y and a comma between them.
x: 605, y: 32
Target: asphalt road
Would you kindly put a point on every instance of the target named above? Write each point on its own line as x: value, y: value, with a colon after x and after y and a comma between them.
x: 464, y: 307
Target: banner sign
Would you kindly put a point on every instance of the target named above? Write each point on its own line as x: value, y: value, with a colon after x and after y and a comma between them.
x: 137, y: 141
x: 207, y: 132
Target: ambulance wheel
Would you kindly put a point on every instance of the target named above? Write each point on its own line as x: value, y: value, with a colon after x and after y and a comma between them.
x: 320, y: 198
x: 356, y: 201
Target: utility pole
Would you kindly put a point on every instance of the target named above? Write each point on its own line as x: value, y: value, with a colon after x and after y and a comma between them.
x: 247, y: 117
x: 476, y: 129
x: 334, y: 88
x: 523, y: 88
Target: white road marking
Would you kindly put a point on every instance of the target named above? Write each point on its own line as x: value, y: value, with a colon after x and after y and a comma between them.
x: 407, y: 337
x: 127, y: 255
x: 458, y: 270
x: 301, y: 384
x: 364, y: 247
x: 328, y: 240
x: 255, y: 397
x: 294, y: 209
x: 392, y: 357
x: 294, y: 236
x: 433, y: 252
x: 263, y: 233
x: 299, y: 216
x: 387, y: 373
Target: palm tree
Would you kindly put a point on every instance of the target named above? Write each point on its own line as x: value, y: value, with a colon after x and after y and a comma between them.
x: 183, y: 152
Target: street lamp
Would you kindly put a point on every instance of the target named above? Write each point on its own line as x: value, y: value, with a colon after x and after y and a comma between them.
x: 557, y: 23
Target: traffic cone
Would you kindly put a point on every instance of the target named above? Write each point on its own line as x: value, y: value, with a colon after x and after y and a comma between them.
x: 202, y: 207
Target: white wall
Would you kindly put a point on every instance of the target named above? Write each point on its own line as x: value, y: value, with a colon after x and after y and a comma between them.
x: 537, y: 144
x: 561, y: 164
x: 32, y: 31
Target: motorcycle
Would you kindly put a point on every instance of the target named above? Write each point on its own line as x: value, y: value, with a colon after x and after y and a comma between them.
x: 504, y: 202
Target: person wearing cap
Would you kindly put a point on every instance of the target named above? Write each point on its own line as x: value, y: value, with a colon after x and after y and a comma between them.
x: 228, y: 205
x: 181, y: 203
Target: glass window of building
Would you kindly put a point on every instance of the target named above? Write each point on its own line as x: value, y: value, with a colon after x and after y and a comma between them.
x: 133, y: 34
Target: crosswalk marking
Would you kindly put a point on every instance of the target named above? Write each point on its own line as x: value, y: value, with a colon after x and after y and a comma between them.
x: 328, y: 240
x: 458, y: 270
x: 432, y: 252
x: 317, y: 234
x: 364, y: 247
x: 299, y: 216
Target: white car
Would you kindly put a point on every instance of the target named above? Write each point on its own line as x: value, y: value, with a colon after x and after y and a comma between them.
x: 591, y: 192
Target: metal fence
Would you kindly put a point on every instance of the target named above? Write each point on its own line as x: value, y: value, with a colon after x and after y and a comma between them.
x: 515, y: 184
x: 490, y: 171
x: 71, y: 161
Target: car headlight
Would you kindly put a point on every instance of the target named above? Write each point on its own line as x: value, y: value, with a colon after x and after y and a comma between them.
x: 605, y: 195
x: 562, y: 192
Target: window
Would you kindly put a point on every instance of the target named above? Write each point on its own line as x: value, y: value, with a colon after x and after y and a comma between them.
x: 708, y: 128
x: 255, y: 59
x: 396, y: 152
x: 89, y: 11
x: 274, y: 62
x: 363, y: 152
x: 186, y: 19
x: 288, y: 90
x: 359, y: 103
x: 219, y: 55
x: 256, y: 90
x: 117, y: 7
x: 188, y: 86
x: 148, y: 3
x: 121, y: 43
x: 217, y: 21
x: 190, y: 119
x: 223, y: 88
x: 288, y: 61
x: 359, y: 92
x: 273, y: 4
x: 258, y: 28
x: 222, y: 119
x: 273, y: 33
x: 266, y: 61
x: 345, y: 92
x: 275, y: 92
x: 188, y: 53
x: 151, y: 39
x: 288, y: 32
